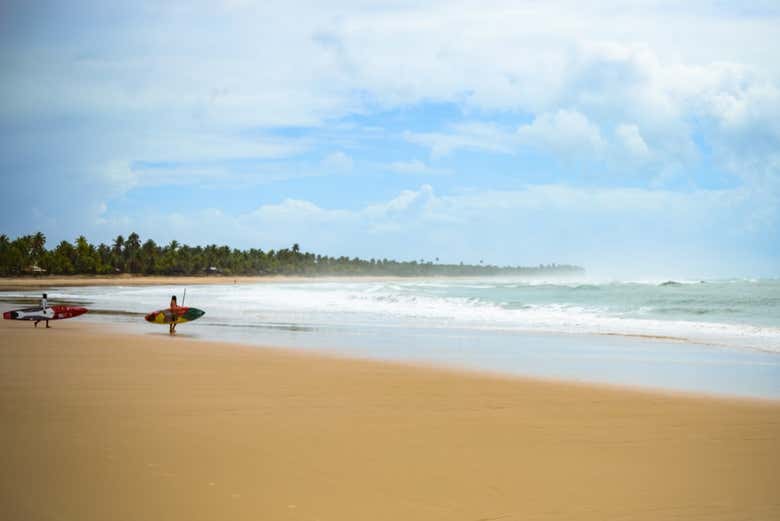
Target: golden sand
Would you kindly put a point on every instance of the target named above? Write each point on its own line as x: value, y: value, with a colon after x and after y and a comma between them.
x: 60, y: 281
x: 102, y: 426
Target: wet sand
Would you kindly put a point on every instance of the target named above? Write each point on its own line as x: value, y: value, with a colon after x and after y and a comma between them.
x: 98, y: 425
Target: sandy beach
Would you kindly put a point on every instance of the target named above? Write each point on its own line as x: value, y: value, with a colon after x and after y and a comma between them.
x: 64, y: 281
x: 98, y: 425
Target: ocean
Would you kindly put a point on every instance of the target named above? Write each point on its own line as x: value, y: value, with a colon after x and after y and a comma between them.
x: 710, y: 336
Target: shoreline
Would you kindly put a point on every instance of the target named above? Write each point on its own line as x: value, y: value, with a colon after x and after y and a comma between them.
x: 708, y: 365
x: 644, y: 361
x: 129, y: 332
x: 456, y: 369
x: 448, y: 368
x: 64, y: 281
x: 100, y: 424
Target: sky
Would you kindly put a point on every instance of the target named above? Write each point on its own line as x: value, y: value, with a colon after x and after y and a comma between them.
x: 629, y: 137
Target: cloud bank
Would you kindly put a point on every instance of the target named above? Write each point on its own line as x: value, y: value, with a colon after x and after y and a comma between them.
x: 316, y: 123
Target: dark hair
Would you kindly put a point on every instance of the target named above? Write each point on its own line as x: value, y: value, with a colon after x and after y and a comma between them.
x: 173, y: 297
x: 44, y: 295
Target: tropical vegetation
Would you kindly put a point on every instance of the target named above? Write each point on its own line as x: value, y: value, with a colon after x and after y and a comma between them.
x: 27, y: 255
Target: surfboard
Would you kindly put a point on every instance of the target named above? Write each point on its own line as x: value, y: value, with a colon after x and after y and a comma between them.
x: 181, y: 315
x: 51, y: 313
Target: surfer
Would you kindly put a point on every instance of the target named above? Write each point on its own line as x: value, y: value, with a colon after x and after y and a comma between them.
x: 174, y: 307
x: 44, y: 308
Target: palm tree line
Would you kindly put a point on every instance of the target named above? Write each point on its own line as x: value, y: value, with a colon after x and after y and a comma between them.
x: 28, y: 255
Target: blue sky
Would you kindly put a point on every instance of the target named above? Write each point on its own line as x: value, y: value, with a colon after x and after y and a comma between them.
x: 633, y: 138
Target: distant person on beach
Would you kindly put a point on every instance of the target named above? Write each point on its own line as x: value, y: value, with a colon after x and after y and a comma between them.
x: 44, y: 308
x: 174, y: 307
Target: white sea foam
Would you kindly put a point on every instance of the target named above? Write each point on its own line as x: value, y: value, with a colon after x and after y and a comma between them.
x: 615, y: 308
x: 619, y: 332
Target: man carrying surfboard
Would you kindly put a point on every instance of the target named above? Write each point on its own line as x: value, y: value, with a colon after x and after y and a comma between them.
x: 174, y: 314
x: 174, y: 306
x: 44, y: 309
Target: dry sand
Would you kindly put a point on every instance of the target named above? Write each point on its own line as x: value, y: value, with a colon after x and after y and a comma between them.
x: 60, y: 281
x: 102, y: 426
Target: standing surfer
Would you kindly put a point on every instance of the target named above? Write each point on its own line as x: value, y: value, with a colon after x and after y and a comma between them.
x: 174, y: 308
x: 44, y: 309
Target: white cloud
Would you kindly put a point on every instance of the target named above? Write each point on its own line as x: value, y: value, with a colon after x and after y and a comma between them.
x: 415, y: 166
x: 564, y: 132
x: 406, y: 202
x: 185, y: 86
x: 337, y: 162
x: 258, y: 65
x: 118, y: 174
x: 613, y: 228
x: 186, y: 80
x: 298, y: 211
x: 632, y: 140
x: 469, y: 136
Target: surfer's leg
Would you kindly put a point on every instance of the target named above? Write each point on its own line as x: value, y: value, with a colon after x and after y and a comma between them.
x: 36, y: 323
x: 47, y: 323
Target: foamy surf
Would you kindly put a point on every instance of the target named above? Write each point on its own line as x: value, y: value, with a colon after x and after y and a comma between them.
x: 737, y: 314
x: 717, y: 336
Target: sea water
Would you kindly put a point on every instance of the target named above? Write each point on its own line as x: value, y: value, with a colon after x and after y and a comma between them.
x: 714, y: 336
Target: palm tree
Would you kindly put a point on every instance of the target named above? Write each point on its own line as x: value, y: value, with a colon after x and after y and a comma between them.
x: 64, y: 257
x: 148, y: 256
x: 119, y: 244
x: 5, y: 255
x: 38, y: 242
x: 133, y: 242
x: 104, y: 254
x: 131, y: 257
x: 85, y: 256
x: 117, y: 251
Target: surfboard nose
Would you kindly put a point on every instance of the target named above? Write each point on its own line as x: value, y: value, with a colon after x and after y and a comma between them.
x: 194, y: 313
